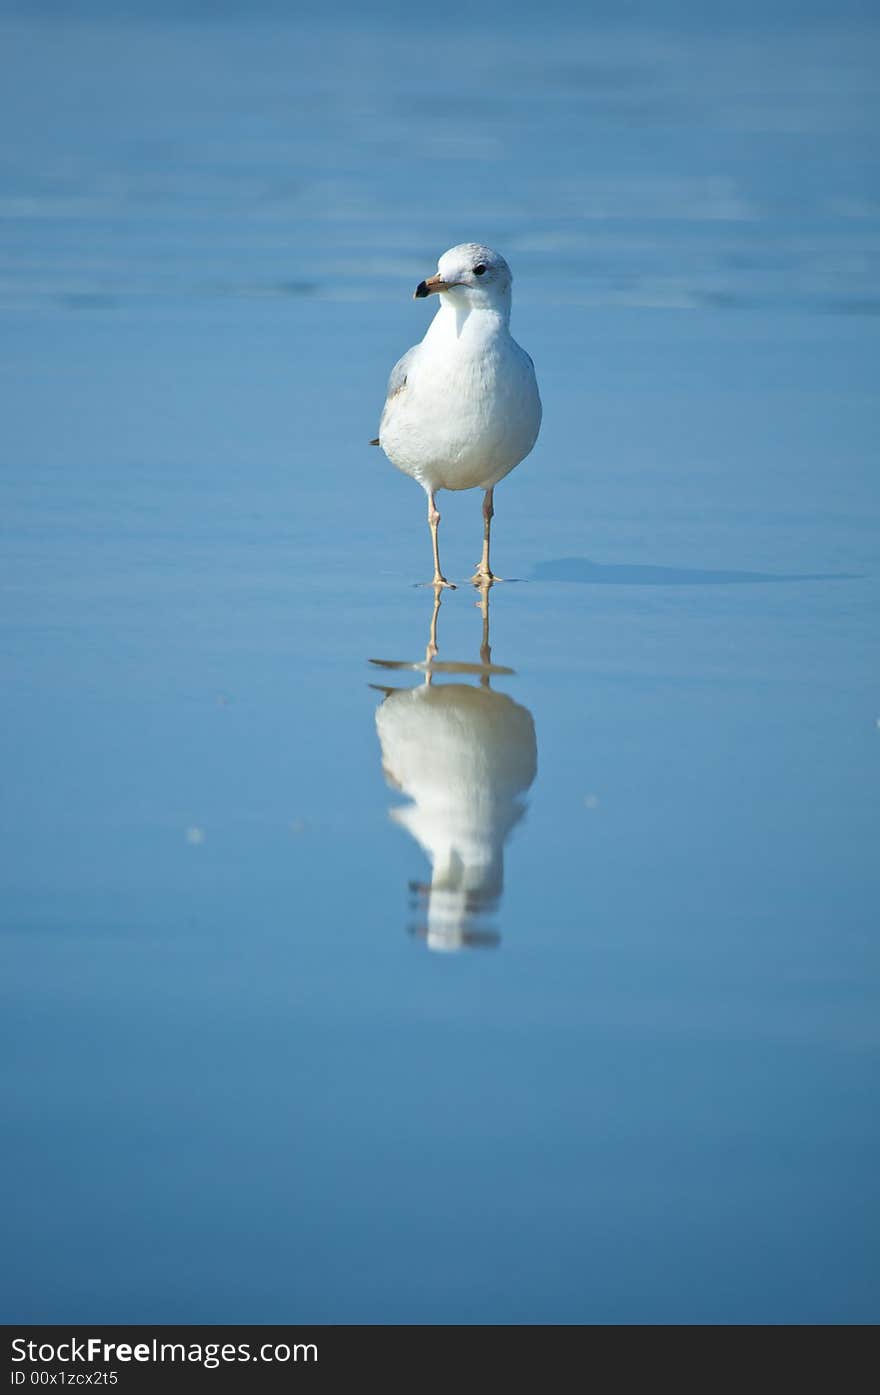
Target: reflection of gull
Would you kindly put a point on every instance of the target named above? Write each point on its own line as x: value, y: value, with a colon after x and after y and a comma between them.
x: 462, y: 407
x: 464, y: 755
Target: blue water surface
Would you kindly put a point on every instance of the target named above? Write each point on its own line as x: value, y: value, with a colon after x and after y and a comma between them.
x: 589, y: 1031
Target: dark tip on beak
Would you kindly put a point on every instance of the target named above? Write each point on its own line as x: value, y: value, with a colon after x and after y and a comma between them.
x: 432, y: 286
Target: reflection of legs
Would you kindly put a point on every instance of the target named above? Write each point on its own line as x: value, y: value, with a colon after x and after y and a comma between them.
x: 485, y: 651
x: 432, y: 651
x: 433, y: 520
x: 484, y: 571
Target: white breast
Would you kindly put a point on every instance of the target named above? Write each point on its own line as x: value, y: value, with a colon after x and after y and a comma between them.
x: 469, y: 411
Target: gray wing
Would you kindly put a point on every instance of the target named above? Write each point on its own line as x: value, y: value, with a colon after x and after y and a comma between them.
x: 397, y: 379
x: 397, y: 382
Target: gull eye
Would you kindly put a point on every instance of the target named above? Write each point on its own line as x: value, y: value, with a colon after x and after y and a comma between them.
x: 479, y: 270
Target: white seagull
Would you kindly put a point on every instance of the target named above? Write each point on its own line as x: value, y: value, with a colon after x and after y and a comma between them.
x: 463, y: 407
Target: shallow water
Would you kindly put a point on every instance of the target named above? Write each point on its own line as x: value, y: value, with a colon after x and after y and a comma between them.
x: 586, y: 1030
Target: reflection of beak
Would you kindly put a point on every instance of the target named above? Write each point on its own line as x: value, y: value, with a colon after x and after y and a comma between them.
x: 433, y: 283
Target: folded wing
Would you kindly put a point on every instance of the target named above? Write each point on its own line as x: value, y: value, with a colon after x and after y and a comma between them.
x: 396, y: 386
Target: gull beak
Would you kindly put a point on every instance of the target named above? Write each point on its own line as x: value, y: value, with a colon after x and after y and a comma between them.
x: 433, y: 283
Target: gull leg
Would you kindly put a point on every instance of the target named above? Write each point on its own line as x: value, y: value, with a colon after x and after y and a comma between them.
x: 433, y: 520
x: 484, y: 576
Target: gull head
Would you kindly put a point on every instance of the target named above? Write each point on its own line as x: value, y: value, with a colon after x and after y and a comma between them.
x: 472, y: 274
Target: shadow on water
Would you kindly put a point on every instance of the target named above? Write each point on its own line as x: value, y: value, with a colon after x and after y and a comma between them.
x: 580, y: 569
x: 464, y: 755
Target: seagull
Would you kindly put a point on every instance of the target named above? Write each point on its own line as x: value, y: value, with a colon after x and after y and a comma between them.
x: 462, y: 408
